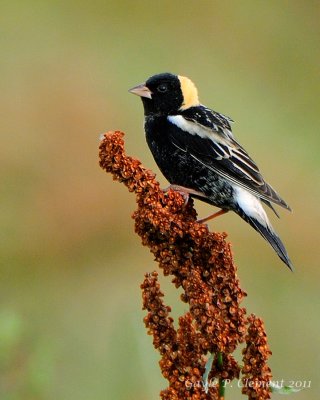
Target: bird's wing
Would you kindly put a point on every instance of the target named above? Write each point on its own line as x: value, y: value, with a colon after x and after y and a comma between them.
x: 207, y: 137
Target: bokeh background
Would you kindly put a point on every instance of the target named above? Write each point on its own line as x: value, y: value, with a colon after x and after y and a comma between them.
x: 70, y: 314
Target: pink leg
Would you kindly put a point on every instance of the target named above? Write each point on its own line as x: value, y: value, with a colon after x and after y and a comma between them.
x: 211, y: 216
x: 185, y: 192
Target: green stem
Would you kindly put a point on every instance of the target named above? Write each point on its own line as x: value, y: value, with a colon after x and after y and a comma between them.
x: 222, y: 386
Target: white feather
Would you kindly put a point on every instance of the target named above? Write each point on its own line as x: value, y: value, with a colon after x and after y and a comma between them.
x: 194, y: 128
x: 251, y: 205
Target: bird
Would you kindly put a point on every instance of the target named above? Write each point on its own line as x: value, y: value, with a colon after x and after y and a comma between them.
x: 196, y: 151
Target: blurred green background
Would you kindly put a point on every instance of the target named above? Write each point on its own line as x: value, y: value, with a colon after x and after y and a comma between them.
x: 70, y: 316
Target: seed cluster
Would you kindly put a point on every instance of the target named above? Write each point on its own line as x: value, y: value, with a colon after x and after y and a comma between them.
x: 201, y: 263
x: 255, y: 371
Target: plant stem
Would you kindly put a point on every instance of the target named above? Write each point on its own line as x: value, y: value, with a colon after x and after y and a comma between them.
x: 222, y: 386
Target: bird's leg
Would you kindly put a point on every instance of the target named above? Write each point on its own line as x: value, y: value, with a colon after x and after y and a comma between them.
x: 211, y: 216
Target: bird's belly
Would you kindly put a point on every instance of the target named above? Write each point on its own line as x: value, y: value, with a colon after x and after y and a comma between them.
x: 181, y: 169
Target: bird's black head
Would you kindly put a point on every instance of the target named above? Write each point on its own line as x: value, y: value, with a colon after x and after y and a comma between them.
x: 166, y: 94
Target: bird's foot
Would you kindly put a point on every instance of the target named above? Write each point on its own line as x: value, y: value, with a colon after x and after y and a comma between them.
x: 185, y: 193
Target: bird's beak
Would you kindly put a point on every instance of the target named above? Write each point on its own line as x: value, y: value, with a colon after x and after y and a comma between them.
x: 142, y: 91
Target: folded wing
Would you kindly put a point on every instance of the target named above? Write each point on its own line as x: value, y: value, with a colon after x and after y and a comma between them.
x: 207, y: 137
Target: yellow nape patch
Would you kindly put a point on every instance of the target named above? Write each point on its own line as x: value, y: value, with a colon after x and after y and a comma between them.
x: 189, y: 92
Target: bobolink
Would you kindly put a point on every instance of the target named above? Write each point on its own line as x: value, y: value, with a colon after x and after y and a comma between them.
x: 195, y: 150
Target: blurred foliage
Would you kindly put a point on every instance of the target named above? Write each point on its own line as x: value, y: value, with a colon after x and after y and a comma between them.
x: 26, y: 365
x: 70, y: 264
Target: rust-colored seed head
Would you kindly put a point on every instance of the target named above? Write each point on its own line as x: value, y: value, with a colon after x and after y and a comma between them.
x: 256, y: 373
x: 201, y: 263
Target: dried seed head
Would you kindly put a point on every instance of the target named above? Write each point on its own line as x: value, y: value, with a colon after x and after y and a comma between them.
x: 201, y: 263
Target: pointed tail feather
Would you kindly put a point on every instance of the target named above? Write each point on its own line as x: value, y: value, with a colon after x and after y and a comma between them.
x: 269, y: 204
x: 267, y: 232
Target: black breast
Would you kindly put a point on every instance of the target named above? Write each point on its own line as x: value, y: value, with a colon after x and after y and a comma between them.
x: 179, y: 167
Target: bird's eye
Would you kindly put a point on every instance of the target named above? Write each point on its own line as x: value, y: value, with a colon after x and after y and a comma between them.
x: 162, y: 88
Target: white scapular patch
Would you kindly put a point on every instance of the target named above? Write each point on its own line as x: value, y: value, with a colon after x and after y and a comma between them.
x: 195, y: 129
x: 251, y: 205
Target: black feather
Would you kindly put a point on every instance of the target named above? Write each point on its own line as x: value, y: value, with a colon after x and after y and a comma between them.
x: 269, y: 235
